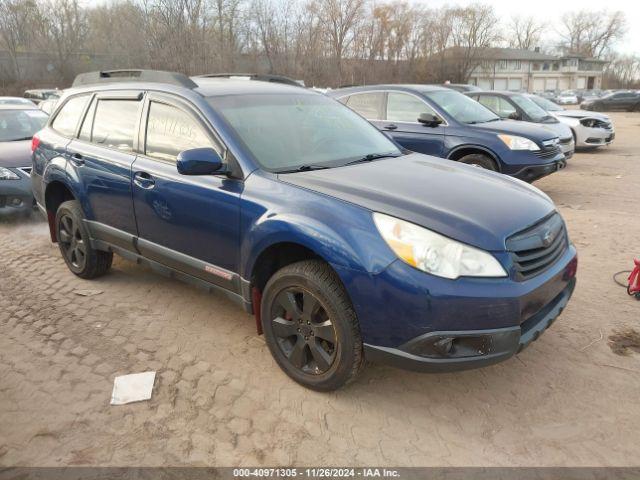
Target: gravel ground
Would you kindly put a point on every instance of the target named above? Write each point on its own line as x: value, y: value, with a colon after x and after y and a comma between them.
x: 219, y: 398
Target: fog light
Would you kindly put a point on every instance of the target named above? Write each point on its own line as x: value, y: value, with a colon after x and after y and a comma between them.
x: 443, y: 346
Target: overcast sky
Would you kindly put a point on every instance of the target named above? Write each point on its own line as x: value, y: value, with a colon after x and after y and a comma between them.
x: 545, y: 10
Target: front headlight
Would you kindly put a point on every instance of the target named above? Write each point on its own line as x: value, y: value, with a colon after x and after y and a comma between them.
x: 434, y: 253
x: 6, y: 174
x: 518, y: 143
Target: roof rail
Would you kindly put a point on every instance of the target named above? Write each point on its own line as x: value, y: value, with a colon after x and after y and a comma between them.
x: 153, y: 76
x: 256, y: 76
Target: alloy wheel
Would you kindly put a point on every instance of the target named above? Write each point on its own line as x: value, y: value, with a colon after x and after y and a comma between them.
x: 71, y: 241
x: 303, y: 330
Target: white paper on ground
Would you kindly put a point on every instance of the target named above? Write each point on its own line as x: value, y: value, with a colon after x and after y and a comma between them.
x: 132, y: 388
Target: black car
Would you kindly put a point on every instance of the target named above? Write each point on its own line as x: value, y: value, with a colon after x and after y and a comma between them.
x: 628, y: 101
x: 516, y: 106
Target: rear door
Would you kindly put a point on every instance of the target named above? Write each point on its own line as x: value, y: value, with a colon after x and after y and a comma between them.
x: 190, y: 223
x: 54, y: 140
x: 402, y: 112
x: 101, y: 158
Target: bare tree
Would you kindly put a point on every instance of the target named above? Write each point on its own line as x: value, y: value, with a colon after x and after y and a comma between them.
x: 15, y: 34
x: 525, y: 33
x: 591, y: 33
x: 338, y: 20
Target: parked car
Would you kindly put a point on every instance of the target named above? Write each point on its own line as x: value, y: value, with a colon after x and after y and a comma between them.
x: 48, y: 106
x: 18, y: 123
x: 516, y: 106
x: 462, y: 87
x: 38, y: 95
x: 15, y: 101
x: 438, y: 121
x: 621, y: 100
x: 567, y: 98
x: 343, y: 245
x: 590, y: 129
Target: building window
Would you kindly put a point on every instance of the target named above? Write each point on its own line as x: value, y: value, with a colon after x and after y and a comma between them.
x: 503, y: 64
x: 517, y: 65
x: 536, y: 66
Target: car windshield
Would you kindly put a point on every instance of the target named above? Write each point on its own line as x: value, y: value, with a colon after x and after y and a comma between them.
x: 20, y: 124
x: 461, y: 107
x: 15, y: 101
x: 536, y: 113
x: 545, y: 104
x: 287, y: 132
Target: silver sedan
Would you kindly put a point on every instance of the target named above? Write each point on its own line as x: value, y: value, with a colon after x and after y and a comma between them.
x: 590, y: 129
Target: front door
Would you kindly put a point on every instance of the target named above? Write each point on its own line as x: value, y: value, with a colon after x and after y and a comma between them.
x: 189, y: 223
x: 402, y: 112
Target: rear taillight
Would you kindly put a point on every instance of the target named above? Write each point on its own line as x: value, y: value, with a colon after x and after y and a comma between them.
x: 35, y: 142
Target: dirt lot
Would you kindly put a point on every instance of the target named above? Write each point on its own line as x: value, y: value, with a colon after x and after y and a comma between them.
x: 219, y: 399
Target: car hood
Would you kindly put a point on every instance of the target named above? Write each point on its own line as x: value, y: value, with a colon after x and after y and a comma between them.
x: 561, y: 130
x: 581, y: 114
x: 472, y: 205
x: 15, y: 154
x: 529, y: 130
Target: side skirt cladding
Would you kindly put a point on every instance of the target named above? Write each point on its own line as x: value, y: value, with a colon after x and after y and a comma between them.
x: 170, y: 263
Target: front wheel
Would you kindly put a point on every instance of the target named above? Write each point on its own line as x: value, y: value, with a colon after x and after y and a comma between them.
x: 75, y: 243
x: 310, y: 326
x: 479, y: 160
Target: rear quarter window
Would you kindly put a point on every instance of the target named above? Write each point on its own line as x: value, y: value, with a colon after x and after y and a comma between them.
x: 369, y: 105
x: 66, y: 121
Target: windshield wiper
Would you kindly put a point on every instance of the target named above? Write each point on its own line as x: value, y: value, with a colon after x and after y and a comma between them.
x: 305, y: 168
x: 475, y: 122
x: 370, y: 157
x: 21, y: 139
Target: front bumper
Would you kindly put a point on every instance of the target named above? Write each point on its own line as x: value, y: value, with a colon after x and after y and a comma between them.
x: 447, y: 351
x: 532, y: 173
x: 16, y: 195
x: 594, y: 137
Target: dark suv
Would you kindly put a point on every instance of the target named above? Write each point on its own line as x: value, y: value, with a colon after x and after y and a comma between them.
x: 439, y: 121
x: 341, y: 245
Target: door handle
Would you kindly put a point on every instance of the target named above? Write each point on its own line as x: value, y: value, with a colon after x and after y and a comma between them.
x: 77, y: 159
x: 391, y: 126
x: 144, y: 180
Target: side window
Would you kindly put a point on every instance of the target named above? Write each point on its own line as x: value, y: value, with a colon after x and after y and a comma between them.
x: 369, y: 105
x: 114, y: 123
x: 67, y: 119
x: 405, y: 108
x: 87, y: 123
x: 497, y: 105
x: 170, y: 131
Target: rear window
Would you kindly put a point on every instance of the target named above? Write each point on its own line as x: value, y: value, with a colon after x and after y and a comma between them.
x: 114, y: 123
x: 67, y: 119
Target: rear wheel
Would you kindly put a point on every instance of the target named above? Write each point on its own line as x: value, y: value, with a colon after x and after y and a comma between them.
x: 75, y: 244
x: 310, y: 326
x: 479, y: 160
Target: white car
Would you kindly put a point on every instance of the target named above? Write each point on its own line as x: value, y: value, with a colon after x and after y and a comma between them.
x: 590, y: 129
x: 567, y: 98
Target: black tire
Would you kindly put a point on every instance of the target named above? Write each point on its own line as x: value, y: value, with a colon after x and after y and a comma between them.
x: 75, y: 245
x: 479, y: 160
x: 310, y: 326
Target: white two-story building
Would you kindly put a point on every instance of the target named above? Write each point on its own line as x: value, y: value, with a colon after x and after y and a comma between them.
x: 534, y: 71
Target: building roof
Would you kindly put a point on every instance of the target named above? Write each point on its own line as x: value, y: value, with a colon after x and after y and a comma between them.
x: 514, y: 54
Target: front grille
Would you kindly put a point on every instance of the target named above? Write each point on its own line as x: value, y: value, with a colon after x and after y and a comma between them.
x: 537, y: 248
x: 548, y: 152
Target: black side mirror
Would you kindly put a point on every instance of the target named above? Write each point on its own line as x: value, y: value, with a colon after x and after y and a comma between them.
x: 514, y: 116
x: 199, y: 161
x: 429, y: 119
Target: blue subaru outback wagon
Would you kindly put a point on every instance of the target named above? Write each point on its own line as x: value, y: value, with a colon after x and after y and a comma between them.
x: 342, y: 245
